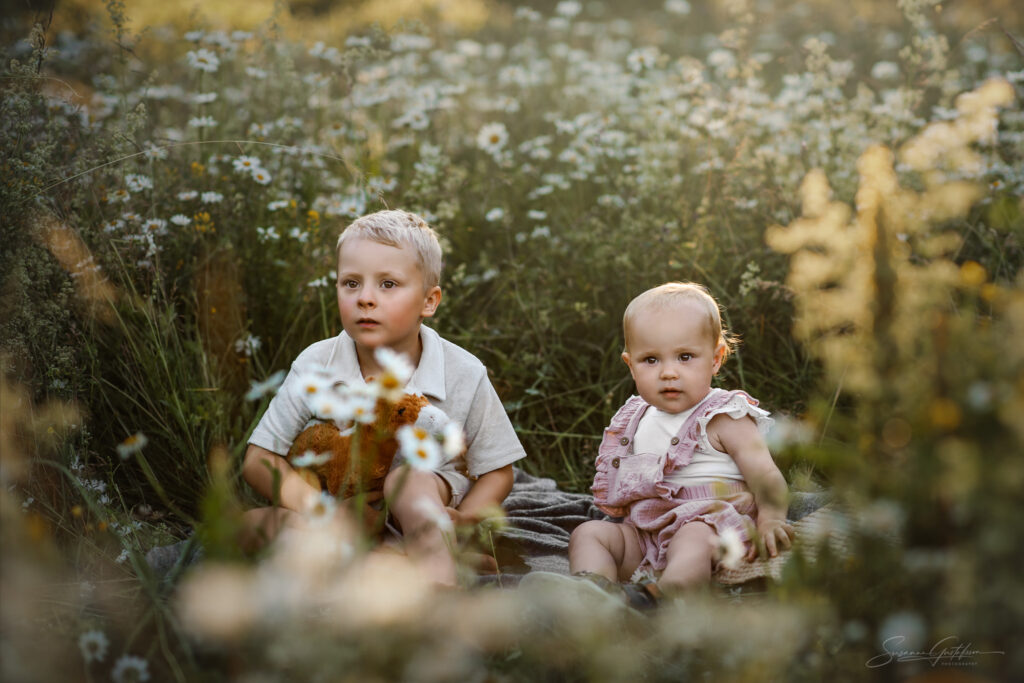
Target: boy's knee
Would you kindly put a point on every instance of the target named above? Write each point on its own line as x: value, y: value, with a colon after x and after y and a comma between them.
x: 409, y: 480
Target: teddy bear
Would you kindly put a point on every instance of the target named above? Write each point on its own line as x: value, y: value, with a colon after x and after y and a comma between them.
x: 344, y: 476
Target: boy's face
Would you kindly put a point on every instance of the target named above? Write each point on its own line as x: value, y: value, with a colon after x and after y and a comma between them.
x: 672, y: 356
x: 381, y: 297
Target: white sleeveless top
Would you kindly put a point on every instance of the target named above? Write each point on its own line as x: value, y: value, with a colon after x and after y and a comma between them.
x: 656, y: 429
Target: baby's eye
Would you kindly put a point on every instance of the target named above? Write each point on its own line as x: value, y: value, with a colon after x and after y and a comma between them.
x: 685, y: 357
x: 388, y: 284
x: 650, y: 360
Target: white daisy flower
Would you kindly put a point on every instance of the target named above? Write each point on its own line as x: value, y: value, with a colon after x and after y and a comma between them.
x: 268, y: 234
x: 248, y: 345
x: 277, y: 204
x: 730, y: 548
x: 211, y: 197
x: 246, y: 164
x: 202, y: 122
x: 154, y: 225
x: 187, y: 195
x: 180, y: 219
x: 492, y: 137
x: 311, y: 383
x: 361, y: 407
x: 138, y: 183
x: 311, y: 459
x: 418, y: 447
x: 327, y: 405
x: 454, y: 440
x: 320, y: 509
x: 261, y: 176
x: 260, y: 389
x: 495, y: 215
x: 130, y: 669
x: 93, y: 645
x: 119, y: 195
x: 203, y: 60
x: 396, y: 373
x: 133, y: 444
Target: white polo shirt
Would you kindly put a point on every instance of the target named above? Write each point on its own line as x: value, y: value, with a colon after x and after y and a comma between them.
x: 451, y: 378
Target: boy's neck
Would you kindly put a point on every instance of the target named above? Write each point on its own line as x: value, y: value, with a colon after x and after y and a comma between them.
x: 369, y: 367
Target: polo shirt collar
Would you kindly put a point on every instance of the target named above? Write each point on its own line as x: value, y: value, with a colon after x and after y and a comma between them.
x: 427, y: 379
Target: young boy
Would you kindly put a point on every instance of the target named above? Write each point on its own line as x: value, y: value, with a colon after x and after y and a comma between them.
x: 389, y: 267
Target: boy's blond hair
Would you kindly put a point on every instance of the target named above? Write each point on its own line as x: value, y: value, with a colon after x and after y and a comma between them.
x: 665, y: 295
x: 398, y: 228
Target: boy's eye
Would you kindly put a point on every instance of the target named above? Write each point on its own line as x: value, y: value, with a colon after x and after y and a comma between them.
x: 350, y: 284
x: 388, y: 284
x: 685, y: 357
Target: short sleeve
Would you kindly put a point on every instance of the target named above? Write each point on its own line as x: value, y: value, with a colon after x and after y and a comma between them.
x: 739, y: 405
x: 285, y: 417
x: 491, y: 441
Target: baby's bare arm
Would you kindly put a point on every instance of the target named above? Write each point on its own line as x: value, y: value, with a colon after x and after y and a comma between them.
x: 741, y: 440
x: 488, y: 492
x: 258, y: 469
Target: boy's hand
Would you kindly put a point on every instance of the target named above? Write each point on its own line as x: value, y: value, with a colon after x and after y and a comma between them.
x: 773, y: 536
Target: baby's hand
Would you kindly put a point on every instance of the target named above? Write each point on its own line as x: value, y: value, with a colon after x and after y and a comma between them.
x: 773, y: 536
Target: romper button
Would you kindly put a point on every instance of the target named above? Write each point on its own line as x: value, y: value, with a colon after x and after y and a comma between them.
x: 615, y: 462
x: 623, y: 441
x: 675, y: 440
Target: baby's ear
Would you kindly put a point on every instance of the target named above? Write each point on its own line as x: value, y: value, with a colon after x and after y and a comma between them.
x: 625, y: 358
x: 719, y: 357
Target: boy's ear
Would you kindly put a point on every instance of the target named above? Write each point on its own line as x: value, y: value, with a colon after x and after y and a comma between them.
x: 431, y: 302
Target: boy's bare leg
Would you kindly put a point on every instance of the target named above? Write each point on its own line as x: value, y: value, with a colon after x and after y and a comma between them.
x: 416, y: 498
x: 689, y: 557
x: 610, y: 549
x: 260, y: 526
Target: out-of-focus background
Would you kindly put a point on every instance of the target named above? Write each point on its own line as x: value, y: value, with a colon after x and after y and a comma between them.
x: 846, y: 178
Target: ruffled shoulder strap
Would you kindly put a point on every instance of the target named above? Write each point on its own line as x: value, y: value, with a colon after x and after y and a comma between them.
x: 605, y: 452
x: 737, y: 405
x: 620, y: 421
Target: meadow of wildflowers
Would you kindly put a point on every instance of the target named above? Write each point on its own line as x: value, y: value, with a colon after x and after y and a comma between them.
x: 847, y: 178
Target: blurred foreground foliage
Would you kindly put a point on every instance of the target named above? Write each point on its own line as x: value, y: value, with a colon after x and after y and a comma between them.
x: 854, y: 197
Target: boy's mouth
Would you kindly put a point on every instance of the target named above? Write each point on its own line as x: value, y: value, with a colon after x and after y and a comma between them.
x: 367, y: 323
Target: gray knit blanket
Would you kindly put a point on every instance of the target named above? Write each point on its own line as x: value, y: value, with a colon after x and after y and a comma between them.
x: 541, y: 518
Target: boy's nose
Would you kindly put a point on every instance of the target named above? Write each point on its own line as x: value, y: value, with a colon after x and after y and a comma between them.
x: 366, y: 299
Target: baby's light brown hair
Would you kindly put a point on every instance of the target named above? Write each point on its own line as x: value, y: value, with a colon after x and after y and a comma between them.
x: 665, y: 295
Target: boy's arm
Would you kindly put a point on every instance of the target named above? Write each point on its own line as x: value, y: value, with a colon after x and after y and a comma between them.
x: 259, y: 468
x: 489, y: 490
x: 741, y: 440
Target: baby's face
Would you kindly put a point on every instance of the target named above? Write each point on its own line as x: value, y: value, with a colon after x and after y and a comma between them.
x: 381, y: 297
x: 672, y: 356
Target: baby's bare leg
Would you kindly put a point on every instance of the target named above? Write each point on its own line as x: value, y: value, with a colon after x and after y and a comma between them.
x: 415, y: 498
x: 689, y: 557
x: 610, y: 549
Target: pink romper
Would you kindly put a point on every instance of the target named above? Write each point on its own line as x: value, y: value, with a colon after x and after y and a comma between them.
x: 632, y: 485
